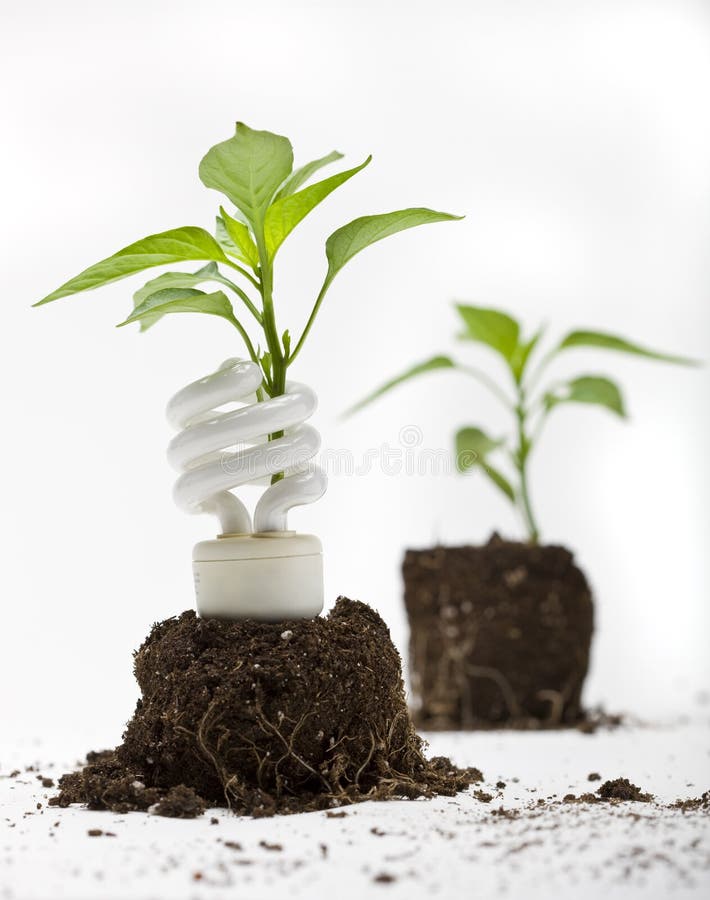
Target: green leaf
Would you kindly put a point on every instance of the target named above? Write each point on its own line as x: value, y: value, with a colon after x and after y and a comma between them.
x: 178, y: 300
x: 172, y: 280
x: 429, y: 365
x: 283, y: 215
x: 349, y: 240
x: 594, y: 389
x: 521, y: 355
x: 472, y: 449
x: 248, y: 168
x: 301, y: 176
x: 606, y: 341
x: 286, y: 341
x: 179, y: 244
x: 492, y: 327
x: 241, y: 239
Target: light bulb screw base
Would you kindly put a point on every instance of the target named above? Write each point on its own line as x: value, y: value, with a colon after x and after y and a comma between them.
x: 269, y: 576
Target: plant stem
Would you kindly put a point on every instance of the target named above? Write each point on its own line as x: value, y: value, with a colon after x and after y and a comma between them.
x: 245, y: 337
x: 309, y: 323
x: 521, y: 462
x: 279, y: 363
x: 488, y: 383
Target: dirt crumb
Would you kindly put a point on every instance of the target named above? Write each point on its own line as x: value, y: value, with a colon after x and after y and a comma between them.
x: 267, y: 846
x: 180, y: 802
x: 622, y: 789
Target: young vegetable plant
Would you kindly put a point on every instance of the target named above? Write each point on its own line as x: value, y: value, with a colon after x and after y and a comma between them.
x: 254, y: 170
x: 530, y: 404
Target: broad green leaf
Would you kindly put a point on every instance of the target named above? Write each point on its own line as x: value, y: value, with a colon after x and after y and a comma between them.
x: 283, y: 215
x: 588, y: 389
x: 472, y: 449
x: 301, y: 176
x: 248, y: 168
x: 429, y: 365
x: 177, y: 300
x: 521, y: 355
x: 349, y: 240
x: 606, y: 341
x: 172, y: 280
x: 225, y: 241
x: 179, y: 244
x: 492, y: 327
x: 241, y: 238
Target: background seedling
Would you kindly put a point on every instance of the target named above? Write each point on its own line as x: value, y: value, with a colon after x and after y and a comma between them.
x: 530, y: 403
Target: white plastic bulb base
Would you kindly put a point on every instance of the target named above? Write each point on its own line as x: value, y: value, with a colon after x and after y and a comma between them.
x: 270, y: 576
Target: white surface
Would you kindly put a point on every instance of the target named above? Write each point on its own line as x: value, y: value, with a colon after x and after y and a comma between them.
x: 270, y: 577
x: 449, y: 847
x: 574, y: 135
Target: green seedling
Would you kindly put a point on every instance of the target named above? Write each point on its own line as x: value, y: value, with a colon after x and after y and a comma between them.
x: 530, y: 404
x: 254, y: 171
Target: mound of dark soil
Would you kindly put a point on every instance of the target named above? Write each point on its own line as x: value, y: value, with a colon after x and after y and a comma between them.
x: 500, y: 635
x: 622, y: 789
x: 266, y: 718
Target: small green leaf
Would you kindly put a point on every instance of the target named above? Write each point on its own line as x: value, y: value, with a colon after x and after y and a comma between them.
x: 178, y: 300
x: 521, y: 355
x: 172, y: 280
x: 283, y: 215
x: 472, y: 449
x: 265, y: 361
x: 286, y: 341
x: 179, y: 244
x: 492, y: 327
x: 301, y: 176
x: 248, y: 168
x: 349, y: 240
x: 594, y: 389
x: 241, y: 239
x: 429, y: 365
x: 612, y: 342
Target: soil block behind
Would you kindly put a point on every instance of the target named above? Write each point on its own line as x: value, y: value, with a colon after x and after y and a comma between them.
x: 500, y: 634
x: 265, y: 718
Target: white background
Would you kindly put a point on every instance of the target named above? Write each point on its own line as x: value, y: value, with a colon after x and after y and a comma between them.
x: 575, y: 136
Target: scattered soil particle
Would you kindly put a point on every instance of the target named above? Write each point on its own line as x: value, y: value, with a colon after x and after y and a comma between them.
x: 14, y: 773
x: 233, y: 845
x: 240, y: 716
x: 384, y: 878
x: 98, y: 832
x: 377, y: 831
x: 500, y: 634
x: 340, y: 814
x: 693, y: 803
x: 267, y: 846
x: 583, y: 798
x: 500, y: 785
x: 622, y: 789
x: 214, y: 821
x: 47, y: 782
x: 180, y: 802
x: 599, y: 720
x: 483, y: 796
x: 594, y: 776
x: 323, y: 850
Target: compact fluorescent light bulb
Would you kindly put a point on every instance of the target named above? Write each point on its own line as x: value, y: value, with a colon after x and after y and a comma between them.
x: 260, y: 570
